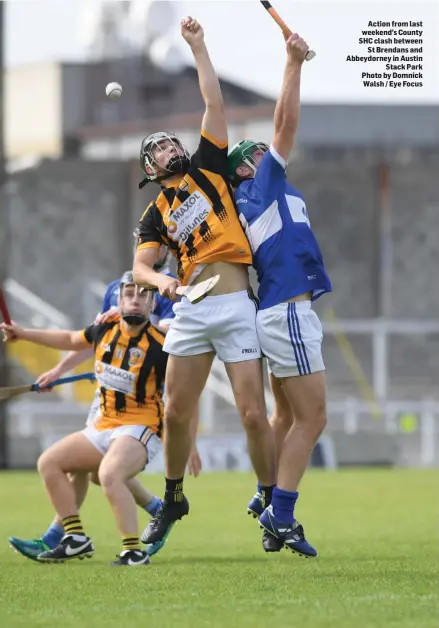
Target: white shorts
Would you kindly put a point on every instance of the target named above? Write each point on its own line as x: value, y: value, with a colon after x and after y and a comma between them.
x: 291, y: 339
x: 102, y: 439
x: 95, y: 409
x: 225, y: 324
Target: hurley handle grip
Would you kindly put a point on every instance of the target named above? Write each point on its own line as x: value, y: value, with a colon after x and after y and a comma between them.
x: 66, y: 380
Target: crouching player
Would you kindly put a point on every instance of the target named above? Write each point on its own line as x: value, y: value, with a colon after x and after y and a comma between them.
x: 130, y: 369
x: 30, y: 548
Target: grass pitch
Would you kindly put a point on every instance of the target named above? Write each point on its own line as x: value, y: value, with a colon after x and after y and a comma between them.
x: 376, y: 532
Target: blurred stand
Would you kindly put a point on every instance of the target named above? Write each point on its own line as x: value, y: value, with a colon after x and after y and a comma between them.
x: 369, y: 174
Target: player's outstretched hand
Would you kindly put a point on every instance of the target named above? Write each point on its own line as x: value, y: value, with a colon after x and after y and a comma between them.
x: 167, y: 287
x: 110, y: 316
x: 194, y: 463
x: 11, y: 332
x: 192, y: 31
x: 46, y: 379
x: 297, y: 48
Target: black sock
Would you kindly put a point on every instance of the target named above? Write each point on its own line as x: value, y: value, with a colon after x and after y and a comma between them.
x: 267, y: 494
x: 174, y: 490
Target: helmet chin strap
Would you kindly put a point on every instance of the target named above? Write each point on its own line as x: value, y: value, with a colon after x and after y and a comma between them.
x: 134, y: 319
x: 178, y: 165
x: 181, y: 169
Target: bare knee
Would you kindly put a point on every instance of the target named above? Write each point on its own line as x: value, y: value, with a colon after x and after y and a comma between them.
x: 108, y: 479
x: 282, y: 421
x: 47, y: 464
x: 253, y: 419
x: 174, y: 417
x: 314, y: 421
x: 321, y: 419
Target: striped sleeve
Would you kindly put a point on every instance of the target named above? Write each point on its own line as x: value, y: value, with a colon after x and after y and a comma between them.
x: 89, y: 334
x: 149, y: 228
x: 211, y: 155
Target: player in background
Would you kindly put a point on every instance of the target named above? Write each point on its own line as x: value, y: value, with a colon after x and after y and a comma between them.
x: 161, y: 317
x: 130, y: 369
x: 195, y: 216
x: 291, y: 275
x: 80, y: 480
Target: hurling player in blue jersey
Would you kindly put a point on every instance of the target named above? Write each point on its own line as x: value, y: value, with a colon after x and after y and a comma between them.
x: 291, y: 275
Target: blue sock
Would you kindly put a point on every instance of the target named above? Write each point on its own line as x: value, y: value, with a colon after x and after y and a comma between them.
x: 53, y: 535
x: 266, y: 492
x: 153, y: 506
x: 283, y: 503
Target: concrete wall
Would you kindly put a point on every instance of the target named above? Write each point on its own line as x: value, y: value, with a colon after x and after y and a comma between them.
x: 65, y: 224
x: 72, y: 221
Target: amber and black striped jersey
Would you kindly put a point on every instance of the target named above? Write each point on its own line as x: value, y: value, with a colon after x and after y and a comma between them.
x: 197, y: 218
x: 130, y: 372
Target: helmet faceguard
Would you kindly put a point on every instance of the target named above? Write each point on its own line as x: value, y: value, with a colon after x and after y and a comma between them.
x: 127, y: 280
x: 136, y: 319
x: 178, y: 164
x: 242, y: 154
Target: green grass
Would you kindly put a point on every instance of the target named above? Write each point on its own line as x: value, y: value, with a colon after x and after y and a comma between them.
x: 376, y: 532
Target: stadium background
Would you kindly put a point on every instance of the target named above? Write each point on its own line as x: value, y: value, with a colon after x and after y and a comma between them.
x: 70, y: 202
x: 367, y: 163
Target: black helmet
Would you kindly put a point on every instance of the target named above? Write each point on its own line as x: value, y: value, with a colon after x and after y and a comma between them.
x: 176, y: 165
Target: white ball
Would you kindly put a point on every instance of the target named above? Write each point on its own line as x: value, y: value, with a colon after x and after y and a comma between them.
x: 113, y: 90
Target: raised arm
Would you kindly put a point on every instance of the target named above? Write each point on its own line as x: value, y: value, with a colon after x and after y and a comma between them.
x: 54, y: 338
x: 214, y: 120
x: 287, y: 112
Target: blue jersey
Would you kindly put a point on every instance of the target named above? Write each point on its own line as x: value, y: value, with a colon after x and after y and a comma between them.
x: 111, y: 296
x: 162, y: 310
x: 286, y: 255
